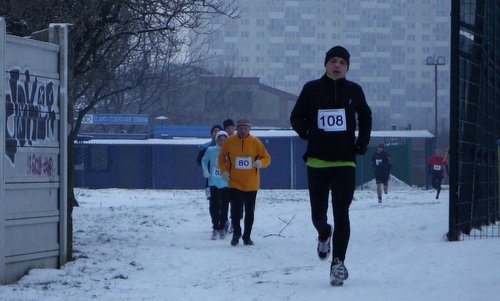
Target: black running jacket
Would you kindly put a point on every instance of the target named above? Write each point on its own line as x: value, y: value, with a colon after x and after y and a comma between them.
x: 325, y: 116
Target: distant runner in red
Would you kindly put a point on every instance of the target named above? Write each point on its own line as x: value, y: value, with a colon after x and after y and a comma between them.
x: 437, y: 165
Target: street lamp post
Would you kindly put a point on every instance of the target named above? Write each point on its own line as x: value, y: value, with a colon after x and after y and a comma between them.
x: 432, y: 60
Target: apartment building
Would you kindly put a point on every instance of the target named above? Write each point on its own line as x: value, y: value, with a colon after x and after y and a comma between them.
x: 283, y: 42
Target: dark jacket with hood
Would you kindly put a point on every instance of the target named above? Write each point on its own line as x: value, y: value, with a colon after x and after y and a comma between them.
x: 326, y: 94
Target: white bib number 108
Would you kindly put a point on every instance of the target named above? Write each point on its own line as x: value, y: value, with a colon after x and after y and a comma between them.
x: 332, y: 120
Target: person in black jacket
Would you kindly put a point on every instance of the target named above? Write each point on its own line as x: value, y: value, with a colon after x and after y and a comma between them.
x: 381, y: 162
x: 325, y: 116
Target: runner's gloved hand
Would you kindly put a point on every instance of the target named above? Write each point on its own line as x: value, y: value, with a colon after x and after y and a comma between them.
x: 304, y: 135
x: 206, y: 174
x: 225, y: 176
x: 257, y: 164
x: 360, y: 149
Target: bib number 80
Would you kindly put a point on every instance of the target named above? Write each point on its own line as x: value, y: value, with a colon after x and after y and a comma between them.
x: 243, y: 163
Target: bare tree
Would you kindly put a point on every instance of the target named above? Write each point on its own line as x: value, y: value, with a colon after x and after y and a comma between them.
x: 122, y: 45
x: 118, y: 47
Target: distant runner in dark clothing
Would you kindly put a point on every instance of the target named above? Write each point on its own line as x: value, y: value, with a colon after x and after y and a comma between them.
x: 381, y: 162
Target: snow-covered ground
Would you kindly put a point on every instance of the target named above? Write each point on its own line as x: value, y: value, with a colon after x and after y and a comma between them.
x: 155, y: 245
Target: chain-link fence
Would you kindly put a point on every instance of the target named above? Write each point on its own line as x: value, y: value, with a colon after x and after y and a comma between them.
x: 475, y: 119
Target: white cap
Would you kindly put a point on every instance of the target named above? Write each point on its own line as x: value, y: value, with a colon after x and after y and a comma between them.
x: 221, y: 133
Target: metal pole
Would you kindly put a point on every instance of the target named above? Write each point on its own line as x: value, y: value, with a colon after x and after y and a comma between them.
x: 292, y: 165
x: 3, y: 82
x: 453, y: 233
x: 435, y: 101
x: 58, y: 34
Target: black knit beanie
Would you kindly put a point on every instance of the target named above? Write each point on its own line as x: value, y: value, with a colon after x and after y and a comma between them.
x: 337, y: 51
x: 215, y: 127
x: 227, y: 122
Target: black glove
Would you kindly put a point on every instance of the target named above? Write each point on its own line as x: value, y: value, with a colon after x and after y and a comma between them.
x: 304, y: 135
x: 360, y: 149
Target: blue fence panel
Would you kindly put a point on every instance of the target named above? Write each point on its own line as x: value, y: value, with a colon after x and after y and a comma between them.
x: 278, y: 174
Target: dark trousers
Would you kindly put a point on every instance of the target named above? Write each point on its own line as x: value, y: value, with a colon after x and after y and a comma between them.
x: 219, y: 202
x: 242, y: 200
x: 436, y: 182
x: 341, y: 181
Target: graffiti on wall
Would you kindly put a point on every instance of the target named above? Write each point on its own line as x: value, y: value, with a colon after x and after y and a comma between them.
x: 30, y: 110
x: 39, y: 165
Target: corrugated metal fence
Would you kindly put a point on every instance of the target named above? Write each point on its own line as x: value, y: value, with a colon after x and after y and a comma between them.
x: 171, y: 163
x: 33, y: 141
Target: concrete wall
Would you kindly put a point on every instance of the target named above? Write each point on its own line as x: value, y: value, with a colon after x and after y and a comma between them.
x: 33, y: 106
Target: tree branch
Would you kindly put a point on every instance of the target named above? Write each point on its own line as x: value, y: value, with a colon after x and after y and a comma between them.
x: 286, y: 225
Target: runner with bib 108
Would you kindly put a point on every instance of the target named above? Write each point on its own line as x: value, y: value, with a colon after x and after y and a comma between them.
x: 325, y: 116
